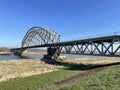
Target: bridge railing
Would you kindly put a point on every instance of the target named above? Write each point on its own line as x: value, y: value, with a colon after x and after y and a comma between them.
x: 95, y: 36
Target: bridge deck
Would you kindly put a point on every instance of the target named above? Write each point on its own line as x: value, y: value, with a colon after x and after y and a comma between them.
x: 105, y: 39
x: 95, y: 40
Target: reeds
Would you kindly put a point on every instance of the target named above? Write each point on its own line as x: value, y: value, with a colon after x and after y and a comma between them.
x: 95, y: 60
x: 22, y: 68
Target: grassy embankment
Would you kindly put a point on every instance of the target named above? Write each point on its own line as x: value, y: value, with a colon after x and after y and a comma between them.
x: 23, y: 67
x: 108, y: 79
x: 30, y: 74
x: 24, y: 80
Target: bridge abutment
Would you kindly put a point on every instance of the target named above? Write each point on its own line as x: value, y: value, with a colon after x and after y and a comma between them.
x: 17, y: 52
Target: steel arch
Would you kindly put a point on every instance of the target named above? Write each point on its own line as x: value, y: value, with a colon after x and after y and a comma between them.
x: 39, y: 36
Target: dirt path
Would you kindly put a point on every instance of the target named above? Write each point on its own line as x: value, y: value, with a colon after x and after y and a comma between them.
x: 74, y: 78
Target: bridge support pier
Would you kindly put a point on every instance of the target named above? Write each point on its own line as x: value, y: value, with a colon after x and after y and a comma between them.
x: 52, y: 53
x: 17, y: 52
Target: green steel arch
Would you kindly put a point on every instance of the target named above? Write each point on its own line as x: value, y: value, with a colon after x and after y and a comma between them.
x: 39, y: 36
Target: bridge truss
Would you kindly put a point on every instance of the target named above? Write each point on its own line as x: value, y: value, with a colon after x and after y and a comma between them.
x: 38, y: 37
x: 109, y: 45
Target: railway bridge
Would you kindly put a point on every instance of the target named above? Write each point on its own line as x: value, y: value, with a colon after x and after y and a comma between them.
x: 38, y: 37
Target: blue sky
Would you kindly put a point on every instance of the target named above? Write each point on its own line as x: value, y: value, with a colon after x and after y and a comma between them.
x: 73, y: 19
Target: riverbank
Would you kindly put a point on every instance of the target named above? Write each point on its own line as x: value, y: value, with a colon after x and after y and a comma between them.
x: 25, y: 53
x: 23, y: 67
x: 26, y: 67
x: 6, y: 53
x: 27, y: 72
x: 34, y: 53
x: 95, y: 60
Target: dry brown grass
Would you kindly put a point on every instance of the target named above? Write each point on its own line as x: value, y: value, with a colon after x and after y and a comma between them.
x: 97, y: 60
x: 23, y: 68
x: 34, y: 53
x: 27, y: 67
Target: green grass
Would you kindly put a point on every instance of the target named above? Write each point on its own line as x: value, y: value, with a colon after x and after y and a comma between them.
x: 37, y: 81
x: 108, y: 79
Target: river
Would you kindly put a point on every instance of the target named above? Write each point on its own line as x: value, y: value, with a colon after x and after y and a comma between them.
x: 12, y: 57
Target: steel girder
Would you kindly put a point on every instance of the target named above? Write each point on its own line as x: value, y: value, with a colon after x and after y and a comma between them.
x: 92, y: 48
x: 39, y: 36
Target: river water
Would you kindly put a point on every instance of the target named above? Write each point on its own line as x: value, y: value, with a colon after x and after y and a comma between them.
x: 12, y: 57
